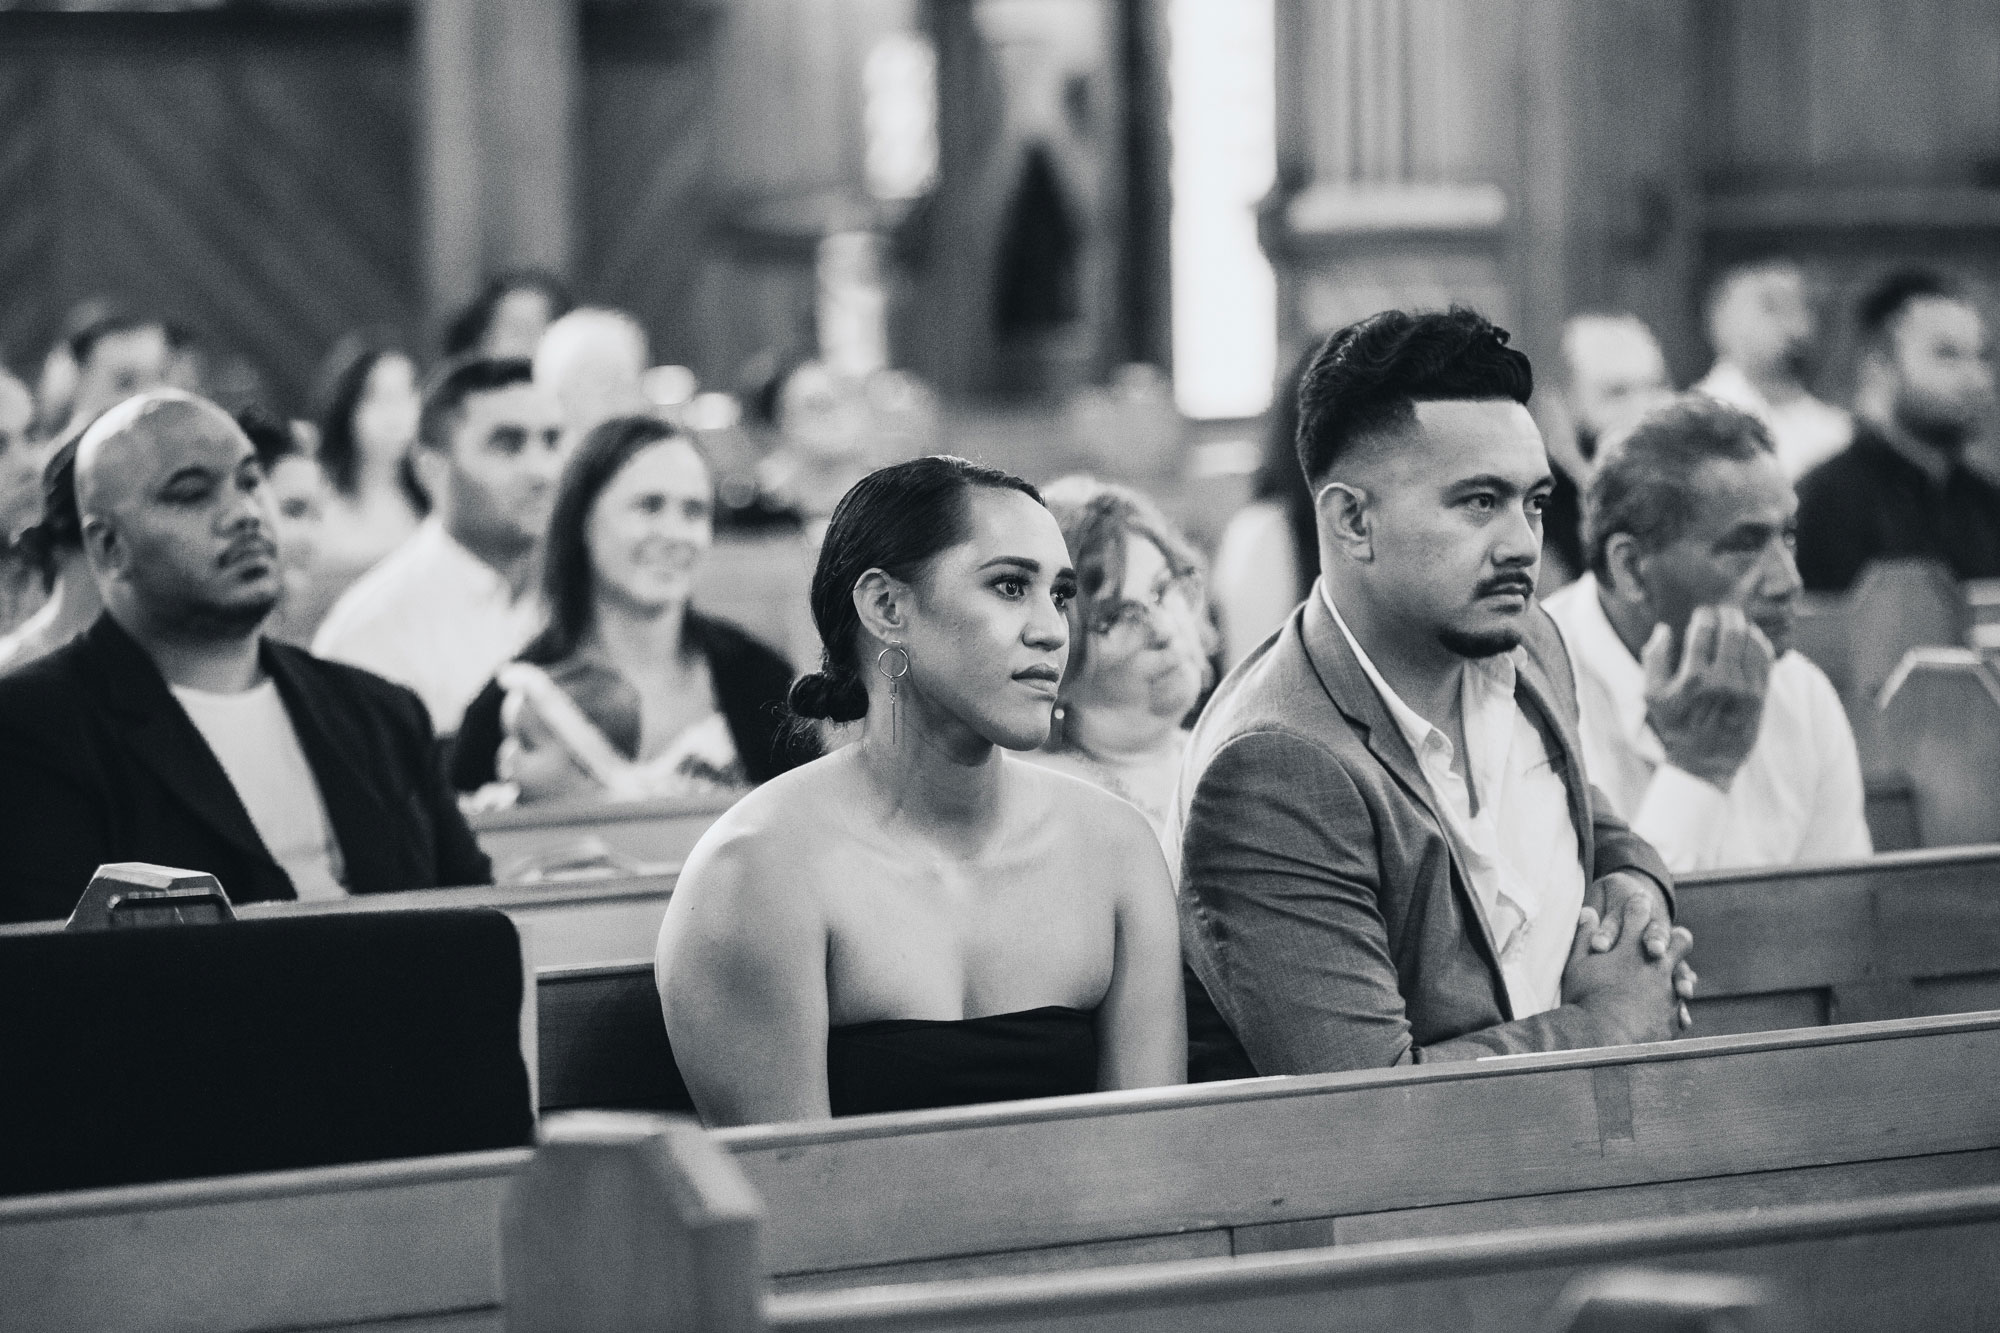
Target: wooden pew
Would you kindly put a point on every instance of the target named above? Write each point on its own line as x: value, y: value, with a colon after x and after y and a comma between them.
x: 1586, y: 1138
x: 684, y: 1227
x: 630, y: 837
x: 1940, y: 724
x: 1596, y: 1136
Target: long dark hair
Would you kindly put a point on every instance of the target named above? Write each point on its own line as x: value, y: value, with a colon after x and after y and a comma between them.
x: 568, y: 580
x: 895, y: 519
x: 343, y: 384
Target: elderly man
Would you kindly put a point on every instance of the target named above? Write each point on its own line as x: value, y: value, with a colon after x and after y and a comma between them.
x: 1761, y: 324
x: 446, y: 609
x: 1389, y: 849
x: 1902, y: 488
x: 1612, y: 371
x: 172, y: 731
x: 1720, y: 745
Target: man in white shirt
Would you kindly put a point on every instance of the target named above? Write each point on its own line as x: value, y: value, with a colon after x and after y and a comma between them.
x: 1761, y: 324
x: 1718, y: 744
x: 172, y: 731
x: 1389, y: 851
x: 457, y: 600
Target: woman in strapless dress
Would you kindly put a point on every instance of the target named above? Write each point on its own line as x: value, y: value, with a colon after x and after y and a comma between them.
x: 920, y: 918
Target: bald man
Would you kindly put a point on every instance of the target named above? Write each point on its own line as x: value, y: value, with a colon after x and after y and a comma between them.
x: 172, y: 731
x: 1612, y: 372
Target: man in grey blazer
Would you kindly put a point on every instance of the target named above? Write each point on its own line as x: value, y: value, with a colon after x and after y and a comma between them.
x: 1389, y: 849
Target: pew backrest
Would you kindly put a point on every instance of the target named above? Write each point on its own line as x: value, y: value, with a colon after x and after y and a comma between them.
x: 1285, y: 1163
x: 637, y: 836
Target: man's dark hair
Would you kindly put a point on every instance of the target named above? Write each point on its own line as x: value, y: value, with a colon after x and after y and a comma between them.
x: 453, y: 382
x: 84, y: 341
x: 1368, y: 378
x: 1645, y: 484
x: 468, y: 327
x: 270, y: 435
x: 1884, y: 302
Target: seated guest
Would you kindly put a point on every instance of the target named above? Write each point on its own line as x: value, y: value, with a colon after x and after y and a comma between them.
x: 444, y: 610
x: 54, y: 545
x: 21, y: 590
x: 1269, y: 554
x: 1612, y: 371
x: 1902, y: 488
x: 1389, y: 850
x: 919, y: 919
x: 298, y: 500
x: 630, y: 692
x: 1718, y: 744
x: 367, y: 415
x: 1137, y: 661
x: 593, y: 362
x: 1762, y: 326
x: 173, y: 732
x: 508, y: 317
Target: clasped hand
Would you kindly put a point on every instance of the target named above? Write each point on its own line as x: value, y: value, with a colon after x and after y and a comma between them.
x: 1707, y: 708
x: 1628, y: 965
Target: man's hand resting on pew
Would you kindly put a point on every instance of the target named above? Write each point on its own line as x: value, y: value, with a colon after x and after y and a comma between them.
x: 1628, y: 969
x: 1628, y: 904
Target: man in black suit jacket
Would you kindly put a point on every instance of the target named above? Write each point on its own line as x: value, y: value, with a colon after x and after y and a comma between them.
x: 172, y: 731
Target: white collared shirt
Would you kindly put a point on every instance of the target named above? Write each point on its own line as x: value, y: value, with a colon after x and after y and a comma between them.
x: 1798, y: 797
x: 432, y: 616
x: 1519, y: 853
x: 1805, y: 431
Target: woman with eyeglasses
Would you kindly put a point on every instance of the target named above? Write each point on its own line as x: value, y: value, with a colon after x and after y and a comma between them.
x: 920, y: 919
x: 1139, y: 643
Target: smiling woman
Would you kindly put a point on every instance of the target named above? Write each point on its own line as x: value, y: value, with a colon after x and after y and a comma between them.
x: 629, y: 693
x: 919, y: 919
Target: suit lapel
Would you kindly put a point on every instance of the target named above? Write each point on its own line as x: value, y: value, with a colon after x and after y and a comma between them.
x: 1348, y: 686
x: 1533, y: 687
x: 363, y: 825
x: 162, y: 737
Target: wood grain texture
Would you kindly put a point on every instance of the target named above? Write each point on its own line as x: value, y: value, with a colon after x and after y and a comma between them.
x: 1916, y: 1262
x: 341, y: 1245
x: 1068, y: 1171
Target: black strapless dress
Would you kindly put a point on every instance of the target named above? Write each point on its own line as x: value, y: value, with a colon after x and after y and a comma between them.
x: 908, y: 1064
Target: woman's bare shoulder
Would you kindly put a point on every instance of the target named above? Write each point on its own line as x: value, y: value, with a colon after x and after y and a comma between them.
x: 1106, y: 825
x: 768, y: 835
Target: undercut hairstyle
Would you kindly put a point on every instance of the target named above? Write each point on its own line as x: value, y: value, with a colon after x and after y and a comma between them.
x: 896, y: 519
x: 1884, y: 303
x: 468, y: 328
x: 1367, y: 379
x: 569, y: 581
x: 453, y: 382
x: 1644, y: 486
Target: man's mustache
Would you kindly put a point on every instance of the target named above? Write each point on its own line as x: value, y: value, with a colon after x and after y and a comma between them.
x: 1516, y: 581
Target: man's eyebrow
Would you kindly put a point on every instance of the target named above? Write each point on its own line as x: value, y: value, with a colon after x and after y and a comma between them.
x: 1493, y: 481
x: 196, y: 470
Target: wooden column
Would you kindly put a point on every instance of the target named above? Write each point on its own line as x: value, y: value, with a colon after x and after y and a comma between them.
x: 497, y: 89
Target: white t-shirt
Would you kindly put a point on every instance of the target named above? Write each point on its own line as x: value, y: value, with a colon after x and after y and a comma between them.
x: 252, y: 737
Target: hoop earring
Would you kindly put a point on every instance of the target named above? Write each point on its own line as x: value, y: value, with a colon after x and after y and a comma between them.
x: 895, y: 679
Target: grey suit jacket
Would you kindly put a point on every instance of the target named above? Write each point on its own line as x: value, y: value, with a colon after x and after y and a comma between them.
x: 1321, y: 904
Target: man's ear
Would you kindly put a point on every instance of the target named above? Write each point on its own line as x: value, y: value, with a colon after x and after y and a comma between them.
x: 883, y: 603
x: 1346, y: 520
x: 433, y: 469
x: 101, y: 546
x: 1625, y: 564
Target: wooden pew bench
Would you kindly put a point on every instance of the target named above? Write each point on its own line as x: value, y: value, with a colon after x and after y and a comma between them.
x: 636, y: 836
x: 1583, y: 1138
x: 686, y: 1230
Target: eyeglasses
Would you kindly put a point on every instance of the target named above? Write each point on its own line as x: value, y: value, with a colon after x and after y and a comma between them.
x: 1126, y: 621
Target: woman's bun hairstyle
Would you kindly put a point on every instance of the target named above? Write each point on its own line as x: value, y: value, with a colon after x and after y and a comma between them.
x: 819, y: 695
x: 896, y: 519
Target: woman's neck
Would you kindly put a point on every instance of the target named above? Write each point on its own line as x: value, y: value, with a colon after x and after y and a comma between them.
x: 933, y: 773
x: 1117, y: 735
x: 639, y: 643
